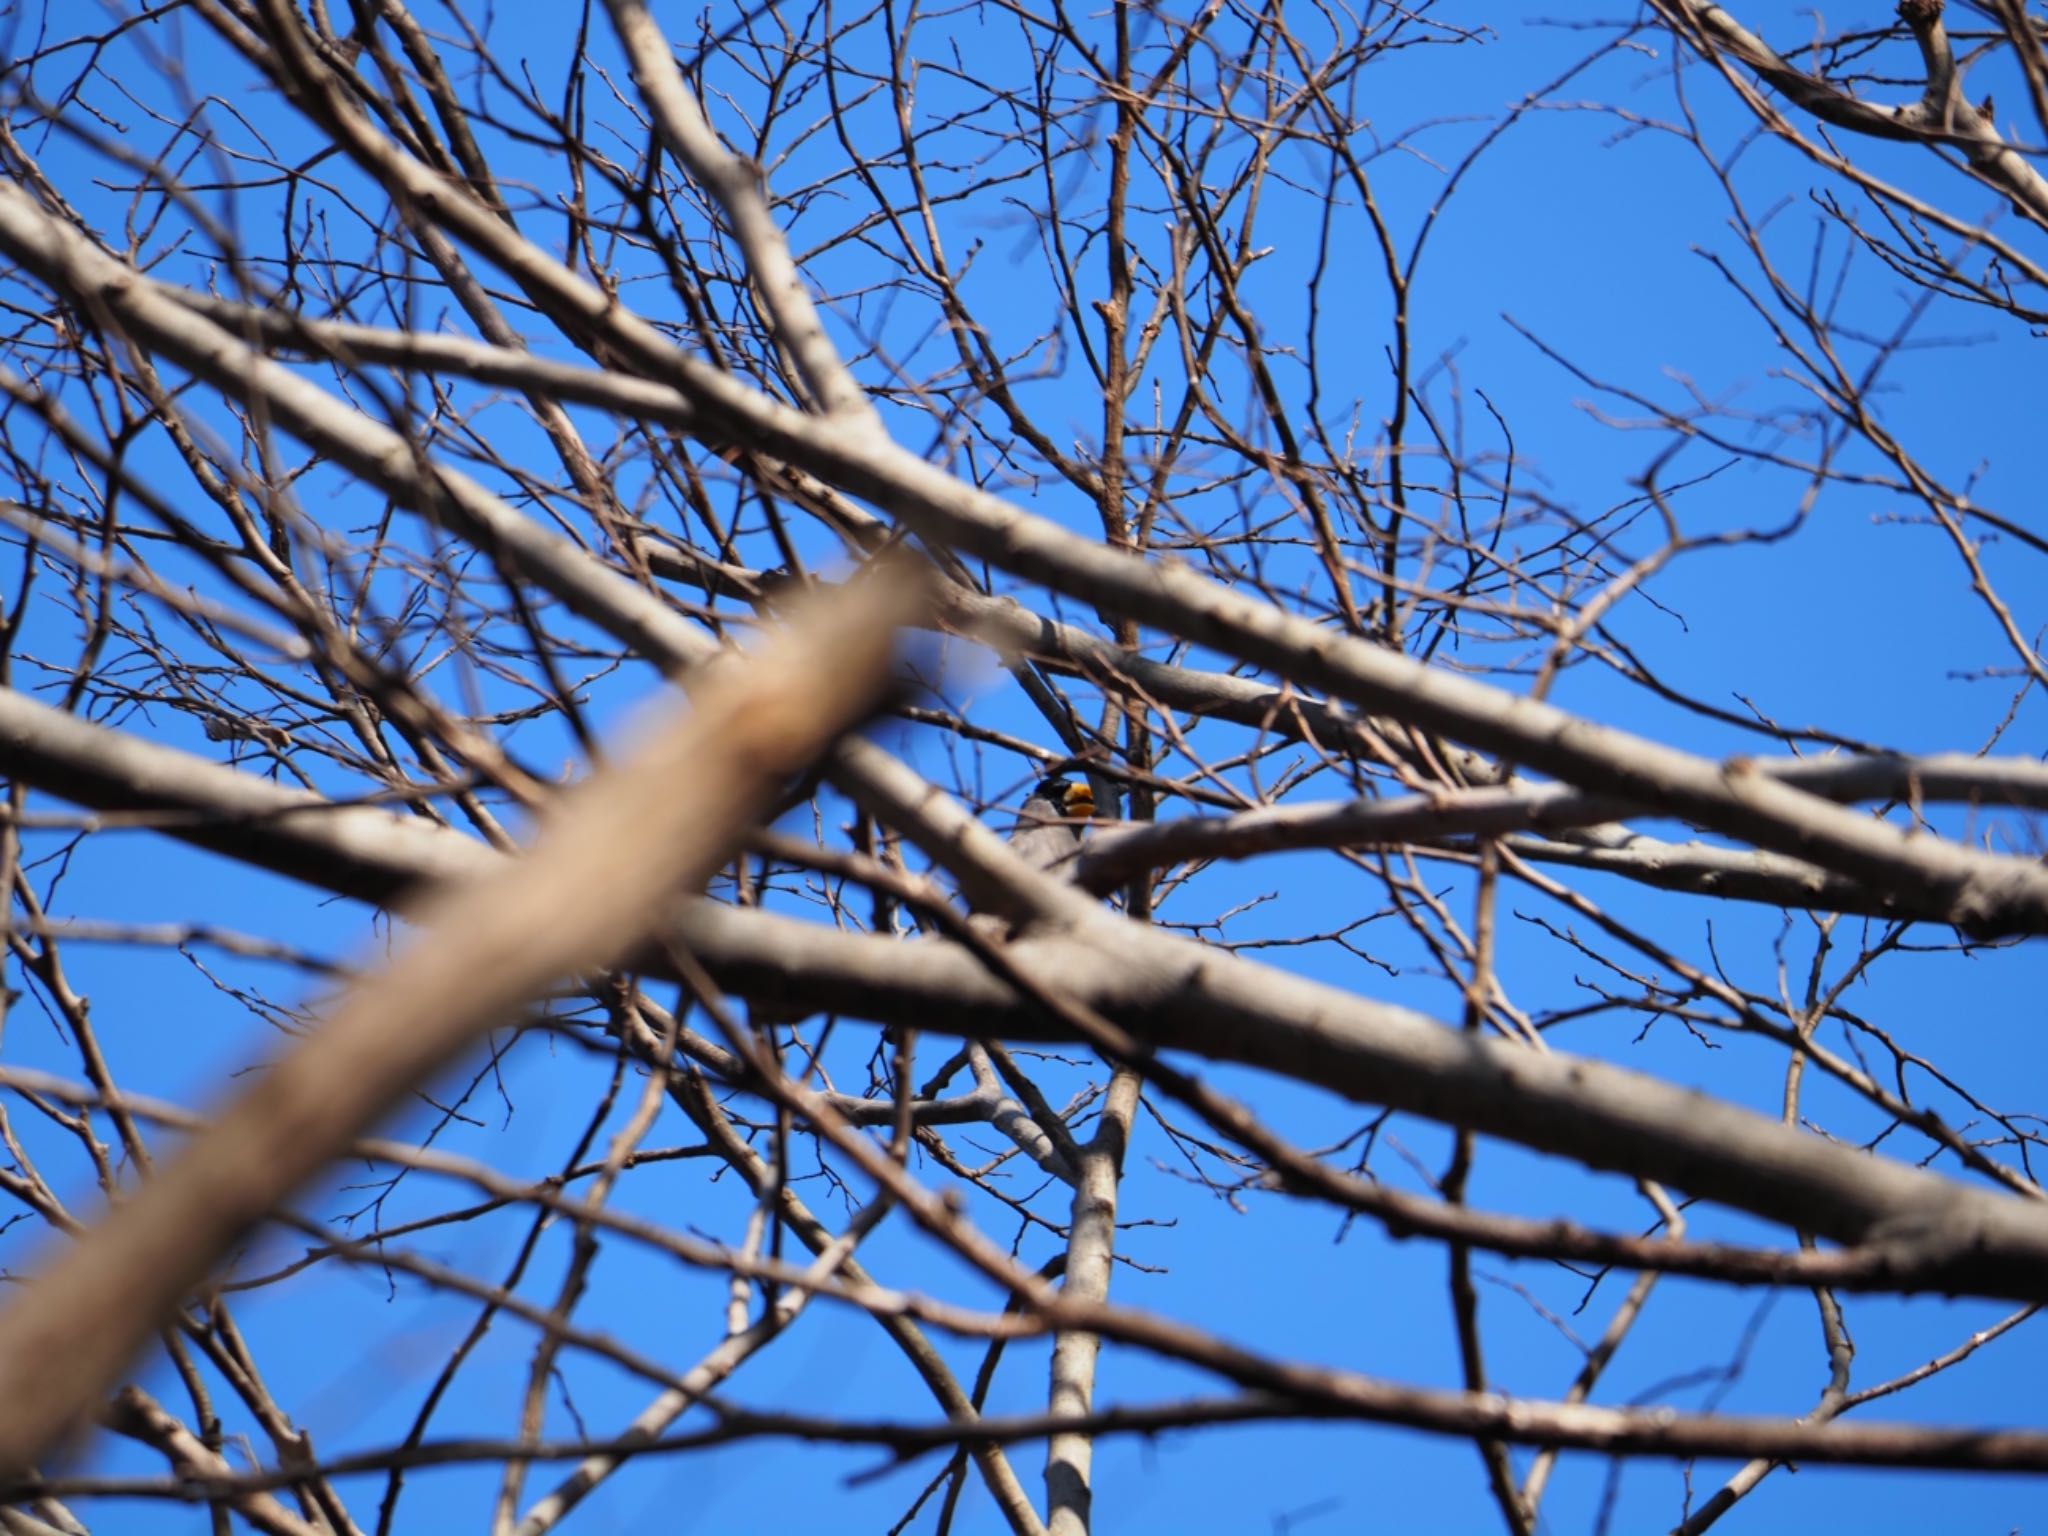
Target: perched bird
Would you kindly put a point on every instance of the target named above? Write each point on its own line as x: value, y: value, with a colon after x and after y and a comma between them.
x: 1048, y: 830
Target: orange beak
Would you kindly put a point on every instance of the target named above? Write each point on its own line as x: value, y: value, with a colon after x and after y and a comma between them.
x: 1081, y: 801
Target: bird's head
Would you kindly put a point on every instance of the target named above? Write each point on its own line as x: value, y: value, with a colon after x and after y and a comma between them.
x: 1069, y: 797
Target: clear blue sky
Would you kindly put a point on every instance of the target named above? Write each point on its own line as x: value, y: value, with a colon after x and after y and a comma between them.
x: 1595, y: 239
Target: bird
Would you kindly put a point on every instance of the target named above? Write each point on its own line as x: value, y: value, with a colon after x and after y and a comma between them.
x: 1048, y: 830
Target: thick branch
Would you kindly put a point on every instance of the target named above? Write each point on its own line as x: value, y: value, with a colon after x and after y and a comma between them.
x: 1940, y: 117
x: 1988, y: 895
x: 582, y: 899
x: 1922, y: 1231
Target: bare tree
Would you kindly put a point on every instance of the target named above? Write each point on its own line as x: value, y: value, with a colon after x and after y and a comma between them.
x: 398, y: 399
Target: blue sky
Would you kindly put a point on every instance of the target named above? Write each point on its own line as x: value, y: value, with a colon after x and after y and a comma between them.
x: 1594, y: 237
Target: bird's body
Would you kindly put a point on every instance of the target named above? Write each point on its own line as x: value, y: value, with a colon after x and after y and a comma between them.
x: 1048, y: 830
